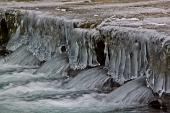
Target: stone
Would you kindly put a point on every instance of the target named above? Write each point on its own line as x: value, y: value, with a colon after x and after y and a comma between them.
x: 3, y: 51
x: 160, y: 104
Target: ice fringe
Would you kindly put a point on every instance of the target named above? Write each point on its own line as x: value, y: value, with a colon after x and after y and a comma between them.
x: 129, y: 52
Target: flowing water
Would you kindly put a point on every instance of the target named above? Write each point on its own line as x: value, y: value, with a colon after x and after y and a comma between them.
x: 45, y: 89
x: 22, y: 91
x: 57, y: 67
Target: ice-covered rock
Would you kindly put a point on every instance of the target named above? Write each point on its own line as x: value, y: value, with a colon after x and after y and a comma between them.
x: 128, y: 52
x: 133, y: 52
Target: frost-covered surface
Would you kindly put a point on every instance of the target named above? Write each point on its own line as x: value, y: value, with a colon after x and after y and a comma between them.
x: 45, y: 37
x: 129, y: 52
x: 136, y: 52
x: 81, y: 49
x: 133, y: 52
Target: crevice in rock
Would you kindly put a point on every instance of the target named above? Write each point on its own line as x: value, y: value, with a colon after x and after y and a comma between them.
x: 161, y: 103
x: 109, y: 85
x: 63, y: 49
x: 100, y: 52
x: 4, y: 38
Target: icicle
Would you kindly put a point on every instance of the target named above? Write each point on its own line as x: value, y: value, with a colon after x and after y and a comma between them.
x: 90, y: 55
x: 106, y: 52
x: 92, y: 58
x: 139, y: 59
x: 127, y: 71
x: 122, y: 65
x: 118, y: 61
x: 134, y: 60
x: 74, y: 51
x: 144, y: 60
x: 160, y: 84
x: 83, y: 53
x: 112, y: 65
x: 167, y: 84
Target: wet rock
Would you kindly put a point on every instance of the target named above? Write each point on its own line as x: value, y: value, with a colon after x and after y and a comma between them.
x: 109, y: 85
x: 4, y: 51
x: 160, y: 103
x: 73, y: 73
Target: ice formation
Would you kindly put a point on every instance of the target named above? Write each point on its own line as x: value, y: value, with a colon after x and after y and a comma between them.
x: 128, y: 53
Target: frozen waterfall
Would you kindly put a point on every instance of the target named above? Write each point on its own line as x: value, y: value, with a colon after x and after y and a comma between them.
x: 56, y: 61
